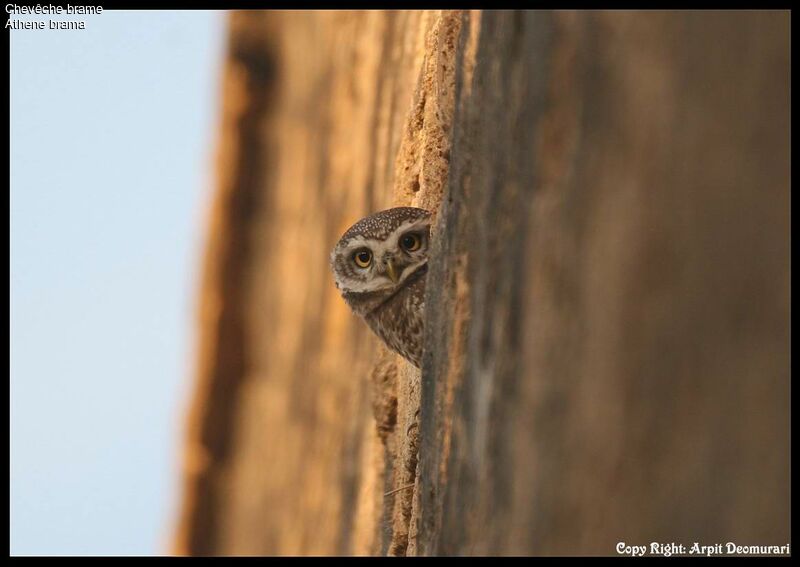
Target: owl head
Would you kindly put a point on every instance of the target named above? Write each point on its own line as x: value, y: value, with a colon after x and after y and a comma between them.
x: 379, y: 253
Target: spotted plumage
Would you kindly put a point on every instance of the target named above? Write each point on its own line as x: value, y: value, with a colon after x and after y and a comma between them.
x: 380, y: 265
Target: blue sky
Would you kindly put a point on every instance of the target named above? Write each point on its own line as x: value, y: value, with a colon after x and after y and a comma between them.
x: 112, y: 145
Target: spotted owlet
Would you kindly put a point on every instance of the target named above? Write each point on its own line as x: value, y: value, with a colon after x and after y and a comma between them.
x: 380, y: 265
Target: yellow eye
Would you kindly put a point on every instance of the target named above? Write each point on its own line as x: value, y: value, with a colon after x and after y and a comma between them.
x: 363, y: 258
x: 411, y: 242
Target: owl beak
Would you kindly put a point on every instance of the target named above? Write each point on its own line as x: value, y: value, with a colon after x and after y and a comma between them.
x: 390, y: 269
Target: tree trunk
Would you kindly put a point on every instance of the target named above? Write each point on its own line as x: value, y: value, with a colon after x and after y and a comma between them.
x: 607, y: 326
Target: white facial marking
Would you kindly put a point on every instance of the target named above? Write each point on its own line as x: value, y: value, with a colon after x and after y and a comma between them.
x: 378, y: 247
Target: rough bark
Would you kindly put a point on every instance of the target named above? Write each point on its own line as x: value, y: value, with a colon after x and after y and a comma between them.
x: 607, y: 335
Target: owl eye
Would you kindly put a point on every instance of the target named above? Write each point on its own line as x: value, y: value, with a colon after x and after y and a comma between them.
x: 411, y: 242
x: 362, y: 258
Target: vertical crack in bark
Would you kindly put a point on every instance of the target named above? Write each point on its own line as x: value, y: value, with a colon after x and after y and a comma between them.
x: 421, y: 171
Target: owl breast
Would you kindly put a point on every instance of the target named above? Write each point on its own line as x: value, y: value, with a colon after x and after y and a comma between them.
x: 399, y: 320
